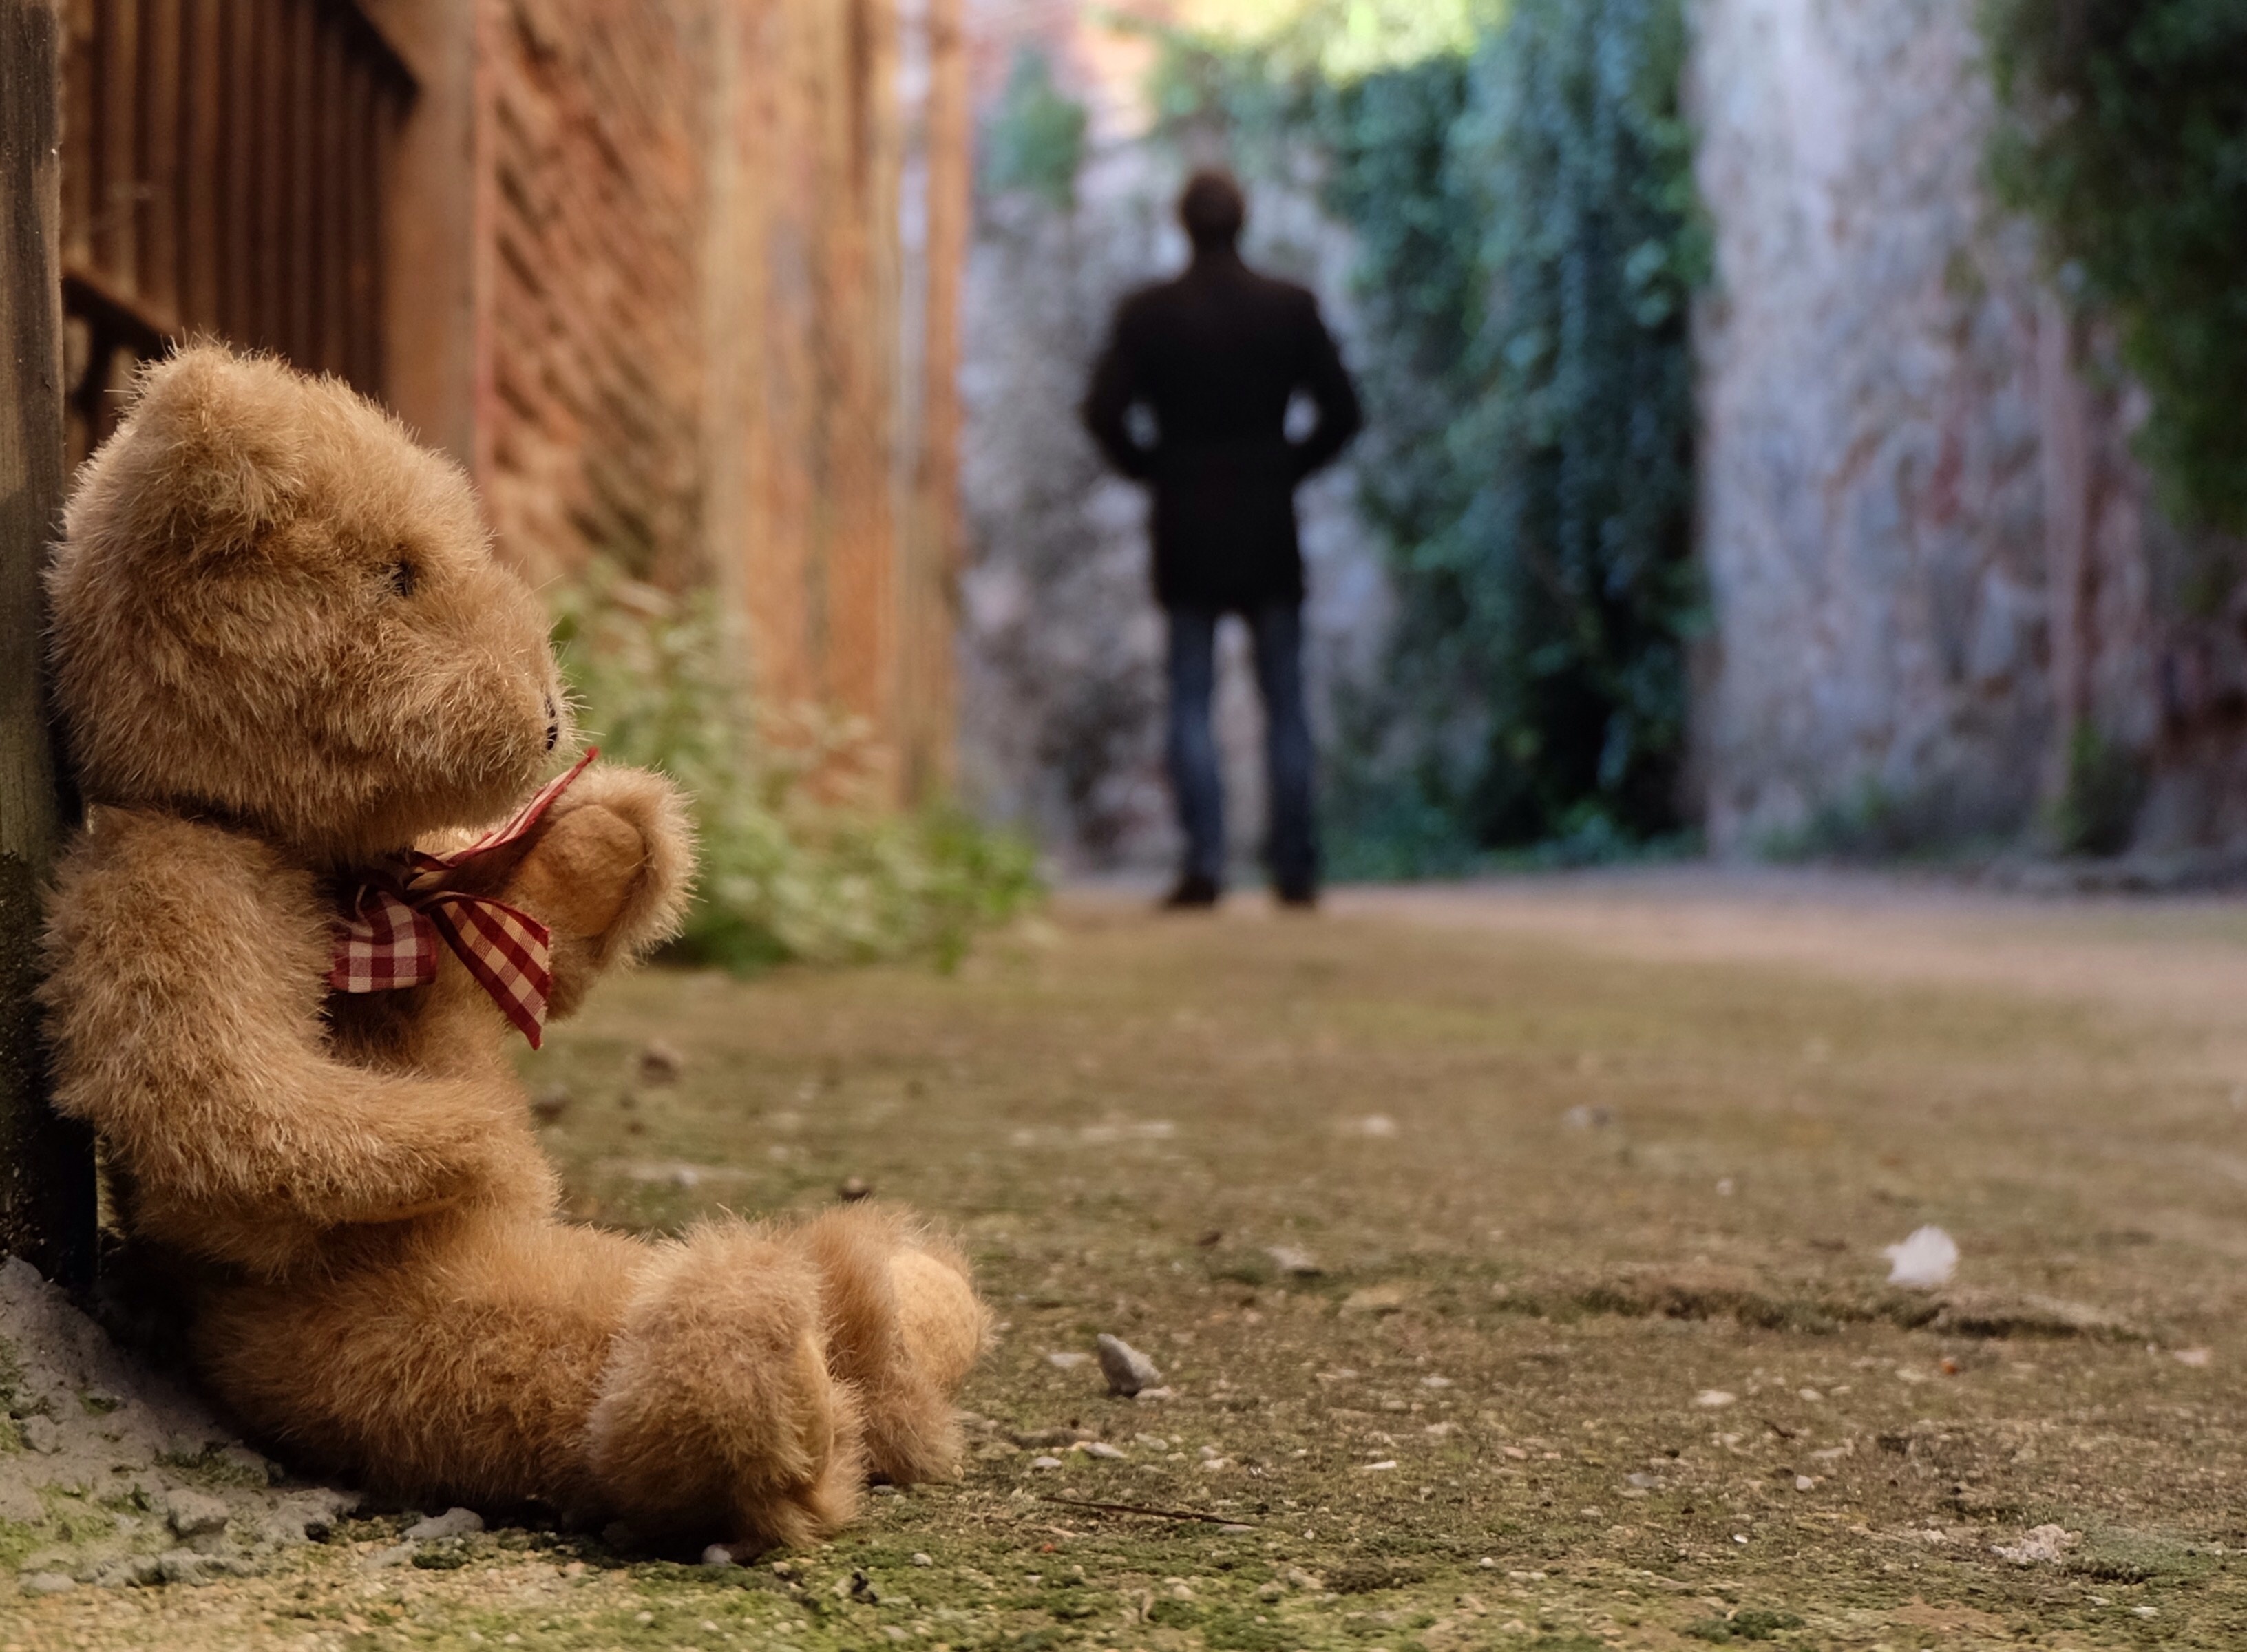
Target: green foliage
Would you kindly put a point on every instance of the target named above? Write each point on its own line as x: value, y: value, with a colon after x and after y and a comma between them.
x: 2106, y: 787
x: 1035, y: 139
x: 1567, y: 586
x: 1749, y: 1623
x: 1339, y: 40
x: 798, y: 860
x: 1528, y: 242
x: 2124, y: 133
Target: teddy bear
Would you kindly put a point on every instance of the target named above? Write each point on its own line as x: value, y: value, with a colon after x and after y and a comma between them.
x: 287, y: 953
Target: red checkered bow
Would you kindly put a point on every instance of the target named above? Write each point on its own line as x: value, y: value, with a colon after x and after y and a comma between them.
x: 395, y: 912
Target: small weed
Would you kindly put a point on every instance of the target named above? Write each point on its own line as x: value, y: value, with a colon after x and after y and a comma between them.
x: 1230, y: 1629
x: 1749, y: 1623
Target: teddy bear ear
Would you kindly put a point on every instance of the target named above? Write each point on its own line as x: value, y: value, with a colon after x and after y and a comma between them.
x: 211, y: 453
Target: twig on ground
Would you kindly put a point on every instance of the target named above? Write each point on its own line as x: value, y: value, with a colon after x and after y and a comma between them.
x: 1143, y: 1508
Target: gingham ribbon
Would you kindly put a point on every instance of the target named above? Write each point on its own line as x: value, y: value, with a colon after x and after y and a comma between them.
x: 395, y: 912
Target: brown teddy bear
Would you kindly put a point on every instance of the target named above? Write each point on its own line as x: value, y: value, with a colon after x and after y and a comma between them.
x: 285, y: 965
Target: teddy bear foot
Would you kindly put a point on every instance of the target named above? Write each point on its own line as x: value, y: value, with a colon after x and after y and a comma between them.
x: 904, y: 1326
x: 718, y: 1413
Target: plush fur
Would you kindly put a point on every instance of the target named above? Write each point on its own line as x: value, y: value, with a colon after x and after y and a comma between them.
x: 282, y: 648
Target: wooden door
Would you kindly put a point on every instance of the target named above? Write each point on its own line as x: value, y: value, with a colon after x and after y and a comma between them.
x: 224, y: 167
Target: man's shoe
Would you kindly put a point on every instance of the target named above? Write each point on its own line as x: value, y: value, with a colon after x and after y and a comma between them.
x: 1301, y: 896
x: 1192, y: 892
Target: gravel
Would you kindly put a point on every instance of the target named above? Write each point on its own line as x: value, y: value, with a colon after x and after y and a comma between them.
x: 128, y: 1479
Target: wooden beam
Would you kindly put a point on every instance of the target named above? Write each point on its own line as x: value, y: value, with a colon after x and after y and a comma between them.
x: 46, y: 1165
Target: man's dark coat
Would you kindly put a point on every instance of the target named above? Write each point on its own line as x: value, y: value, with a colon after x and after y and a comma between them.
x: 1215, y: 356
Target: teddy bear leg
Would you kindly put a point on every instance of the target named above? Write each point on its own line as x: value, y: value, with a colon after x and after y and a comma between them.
x: 458, y: 1362
x: 718, y: 1414
x: 904, y: 1326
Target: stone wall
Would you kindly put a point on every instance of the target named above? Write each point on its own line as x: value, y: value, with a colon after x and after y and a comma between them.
x: 1932, y: 560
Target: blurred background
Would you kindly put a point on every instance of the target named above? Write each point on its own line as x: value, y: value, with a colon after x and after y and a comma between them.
x: 1795, y: 432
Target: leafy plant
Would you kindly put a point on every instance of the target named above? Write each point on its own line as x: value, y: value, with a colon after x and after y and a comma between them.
x: 1035, y: 139
x: 799, y: 859
x: 2123, y: 131
x: 1529, y: 241
x: 2106, y: 787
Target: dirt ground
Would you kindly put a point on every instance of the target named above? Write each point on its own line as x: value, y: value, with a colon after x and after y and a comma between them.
x: 1514, y: 1258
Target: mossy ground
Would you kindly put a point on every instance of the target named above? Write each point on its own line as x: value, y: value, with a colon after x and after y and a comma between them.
x: 1574, y: 1169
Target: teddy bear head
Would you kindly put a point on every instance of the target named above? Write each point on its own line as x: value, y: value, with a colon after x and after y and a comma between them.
x: 270, y: 606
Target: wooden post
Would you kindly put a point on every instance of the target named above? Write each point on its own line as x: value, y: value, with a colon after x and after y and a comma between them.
x: 46, y: 1163
x: 934, y: 546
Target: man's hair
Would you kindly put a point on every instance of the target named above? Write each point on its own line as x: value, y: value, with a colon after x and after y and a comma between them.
x: 1213, y: 208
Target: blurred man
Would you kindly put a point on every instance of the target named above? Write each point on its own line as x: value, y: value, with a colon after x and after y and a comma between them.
x: 1213, y: 357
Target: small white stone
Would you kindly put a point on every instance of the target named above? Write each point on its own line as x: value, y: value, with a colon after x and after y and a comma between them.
x: 1714, y: 1398
x: 452, y: 1522
x: 49, y: 1583
x: 717, y: 1554
x: 1066, y: 1361
x: 1296, y: 1264
x: 920, y: 1559
x: 2042, y: 1544
x: 1923, y: 1261
x: 1102, y: 1449
x: 1045, y: 1462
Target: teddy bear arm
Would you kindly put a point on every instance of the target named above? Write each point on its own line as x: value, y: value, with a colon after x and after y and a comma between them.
x: 609, y: 871
x: 183, y: 998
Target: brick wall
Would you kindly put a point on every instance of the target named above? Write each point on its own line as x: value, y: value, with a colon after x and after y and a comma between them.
x: 592, y: 174
x: 707, y: 352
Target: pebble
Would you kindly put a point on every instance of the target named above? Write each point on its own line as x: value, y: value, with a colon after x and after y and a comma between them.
x: 1127, y: 1369
x: 1045, y: 1462
x: 41, y: 1434
x: 854, y: 1188
x: 49, y: 1583
x: 920, y: 1559
x: 1925, y: 1261
x: 717, y: 1554
x: 1714, y: 1398
x: 1296, y: 1264
x: 1102, y: 1449
x: 452, y: 1522
x: 2042, y: 1544
x: 195, y: 1514
x: 184, y: 1566
x: 659, y: 1063
x: 1067, y: 1361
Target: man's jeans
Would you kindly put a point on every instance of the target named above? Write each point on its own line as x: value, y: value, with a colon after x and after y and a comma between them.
x: 1291, y: 849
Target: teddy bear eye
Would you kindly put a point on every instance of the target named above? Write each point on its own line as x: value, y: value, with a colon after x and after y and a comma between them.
x: 403, y: 576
